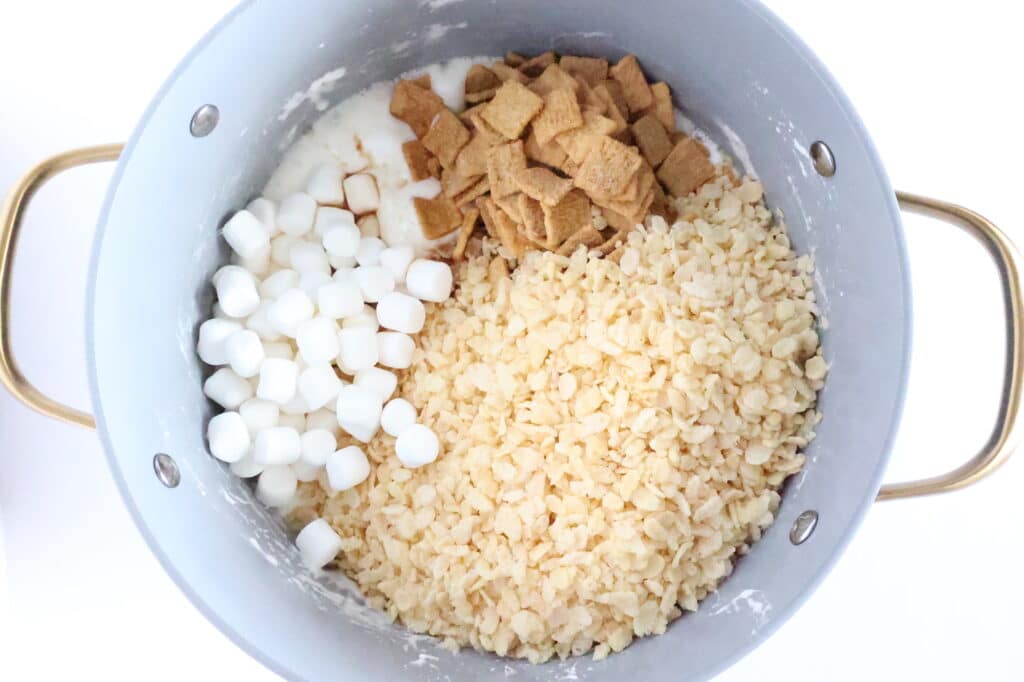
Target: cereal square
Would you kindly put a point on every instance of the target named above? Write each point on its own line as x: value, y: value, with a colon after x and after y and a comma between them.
x: 512, y: 108
x: 503, y: 162
x: 481, y: 96
x: 550, y: 154
x: 553, y: 78
x: 532, y: 68
x: 454, y: 184
x: 577, y: 142
x: 588, y: 99
x: 543, y: 185
x: 416, y: 106
x: 504, y: 228
x: 532, y: 219
x: 661, y: 106
x: 685, y: 168
x: 438, y: 217
x: 480, y: 78
x: 484, y: 129
x: 418, y: 159
x: 617, y: 220
x: 567, y: 217
x: 510, y: 205
x: 590, y: 69
x: 504, y: 72
x: 423, y: 81
x: 634, y: 86
x: 514, y: 59
x: 481, y: 187
x: 465, y: 232
x: 652, y: 139
x: 561, y: 113
x: 472, y: 160
x: 588, y: 237
x: 446, y: 137
x: 608, y: 168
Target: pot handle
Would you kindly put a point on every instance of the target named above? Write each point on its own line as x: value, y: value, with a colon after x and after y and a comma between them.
x: 1005, y: 435
x: 11, y: 216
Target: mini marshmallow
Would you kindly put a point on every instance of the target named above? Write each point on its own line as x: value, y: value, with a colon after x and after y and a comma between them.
x: 309, y: 257
x: 305, y: 471
x: 279, y: 349
x: 311, y: 281
x: 417, y: 445
x: 380, y: 382
x: 245, y: 352
x: 358, y: 347
x: 318, y: 544
x: 346, y: 273
x: 397, y: 416
x: 292, y: 421
x: 339, y: 262
x: 369, y: 225
x: 296, y: 213
x: 397, y: 259
x: 236, y: 291
x: 401, y: 313
x: 319, y: 385
x: 317, y: 446
x: 277, y: 445
x: 342, y: 240
x: 278, y: 379
x: 347, y: 468
x: 246, y: 467
x: 296, y: 406
x: 429, y: 280
x: 260, y: 323
x: 325, y: 418
x: 259, y: 414
x: 218, y: 312
x: 394, y: 350
x: 213, y: 335
x: 369, y: 250
x: 359, y: 412
x: 246, y: 234
x: 324, y: 185
x: 367, y: 317
x: 276, y: 486
x: 292, y: 308
x: 228, y: 437
x: 281, y: 250
x: 259, y: 263
x: 227, y: 389
x: 328, y: 217
x: 361, y: 193
x: 265, y: 211
x: 317, y: 340
x: 375, y: 281
x: 278, y: 283
x: 339, y: 299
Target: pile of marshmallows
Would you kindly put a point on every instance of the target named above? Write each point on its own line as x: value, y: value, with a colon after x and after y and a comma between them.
x: 292, y: 310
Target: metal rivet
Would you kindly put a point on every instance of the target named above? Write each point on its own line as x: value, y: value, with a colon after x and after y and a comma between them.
x: 166, y: 470
x: 824, y: 162
x: 204, y: 120
x: 803, y: 527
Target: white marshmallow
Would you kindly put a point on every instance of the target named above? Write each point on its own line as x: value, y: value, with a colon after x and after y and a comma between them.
x: 259, y: 263
x: 265, y: 211
x: 277, y: 445
x: 305, y: 471
x: 358, y: 347
x: 213, y: 336
x: 319, y: 385
x: 339, y: 262
x: 292, y: 308
x: 227, y: 389
x: 397, y: 259
x: 292, y: 421
x: 278, y: 379
x: 276, y: 486
x: 281, y: 250
x: 417, y: 445
x: 318, y: 544
x: 401, y: 313
x: 260, y: 323
x: 246, y: 234
x: 317, y: 340
x: 339, y: 299
x: 394, y: 350
x: 361, y: 193
x: 259, y: 414
x: 342, y: 240
x: 324, y: 185
x: 228, y: 437
x: 367, y: 317
x: 328, y: 217
x: 311, y: 281
x: 296, y: 406
x: 429, y: 280
x: 380, y: 382
x: 309, y: 257
x: 317, y: 446
x: 345, y: 273
x: 325, y: 418
x: 296, y: 213
x: 368, y: 252
x: 397, y: 416
x: 278, y: 283
x: 347, y: 468
x: 245, y: 352
x: 236, y: 291
x: 374, y: 281
x: 359, y: 412
x: 369, y: 225
x: 218, y: 312
x: 246, y: 467
x: 279, y: 349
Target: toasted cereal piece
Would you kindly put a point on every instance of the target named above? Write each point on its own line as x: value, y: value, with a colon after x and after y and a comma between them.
x: 503, y: 162
x: 418, y: 159
x: 472, y: 160
x: 661, y: 106
x: 614, y: 241
x: 467, y: 116
x: 553, y: 78
x: 612, y: 110
x: 590, y: 69
x: 504, y: 228
x: 415, y: 105
x: 677, y: 137
x: 608, y: 168
x: 504, y: 72
x: 434, y: 166
x: 481, y: 187
x: 481, y: 97
x: 446, y: 137
x: 614, y: 89
x: 652, y: 139
x: 588, y: 99
x: 543, y: 185
x: 550, y: 154
x: 561, y: 113
x: 567, y: 217
x: 514, y: 59
x: 497, y: 270
x: 512, y: 108
x: 491, y: 136
x: 634, y: 86
x: 617, y: 220
x: 454, y: 184
x: 465, y: 232
x: 685, y: 168
x: 510, y: 205
x: 485, y: 205
x: 438, y: 217
x: 660, y: 205
x: 577, y: 142
x: 635, y: 209
x: 588, y: 237
x: 479, y: 78
x: 532, y: 219
x: 532, y: 68
x: 423, y: 81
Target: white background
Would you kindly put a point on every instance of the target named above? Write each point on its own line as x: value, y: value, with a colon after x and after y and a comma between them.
x: 929, y: 589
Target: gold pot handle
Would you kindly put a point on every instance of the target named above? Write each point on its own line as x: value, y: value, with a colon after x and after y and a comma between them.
x: 12, y: 214
x: 1005, y: 435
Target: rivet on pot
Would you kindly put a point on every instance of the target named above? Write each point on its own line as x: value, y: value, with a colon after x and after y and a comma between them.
x: 204, y: 120
x: 803, y: 527
x: 166, y: 470
x: 824, y: 161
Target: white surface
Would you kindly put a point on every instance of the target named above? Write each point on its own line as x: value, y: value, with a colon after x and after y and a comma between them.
x: 929, y: 589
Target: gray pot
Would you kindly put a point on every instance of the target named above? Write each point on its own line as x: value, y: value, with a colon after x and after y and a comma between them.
x: 740, y: 74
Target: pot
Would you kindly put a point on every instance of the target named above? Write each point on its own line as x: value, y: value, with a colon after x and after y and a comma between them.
x: 208, y: 143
